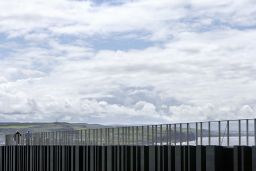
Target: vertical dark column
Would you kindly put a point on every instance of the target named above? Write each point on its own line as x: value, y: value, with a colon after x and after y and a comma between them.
x: 200, y: 158
x: 146, y: 158
x: 99, y: 158
x: 64, y: 159
x: 131, y: 167
x: 1, y: 158
x: 72, y: 158
x: 128, y: 156
x: 22, y: 158
x: 125, y: 155
x: 122, y: 158
x: 171, y: 158
x: 158, y: 158
x: 103, y: 159
x: 227, y: 160
x: 246, y: 158
x: 47, y: 167
x: 253, y: 158
x: 40, y: 157
x: 13, y: 158
x: 60, y: 157
x: 91, y: 147
x: 219, y: 158
x: 134, y: 157
x: 114, y: 158
x: 212, y: 155
x: 55, y: 158
x: 178, y: 158
x: 51, y: 158
x: 76, y: 158
x: 84, y: 158
x: 118, y: 156
x: 25, y: 158
x: 109, y: 159
x: 242, y: 158
x: 5, y: 159
x: 142, y: 157
x: 18, y: 158
x: 30, y: 158
x: 165, y: 160
x: 151, y: 158
x: 33, y: 157
x: 43, y: 158
x: 185, y: 159
x: 8, y: 158
x: 237, y: 158
x: 191, y: 158
x: 95, y: 155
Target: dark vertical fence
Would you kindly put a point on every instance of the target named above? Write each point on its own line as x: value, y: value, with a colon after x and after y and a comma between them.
x: 127, y: 158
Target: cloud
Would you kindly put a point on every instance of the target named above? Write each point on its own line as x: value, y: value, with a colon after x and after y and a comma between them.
x: 194, y: 61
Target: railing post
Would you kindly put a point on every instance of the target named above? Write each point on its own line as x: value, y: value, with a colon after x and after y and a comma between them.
x: 180, y: 133
x: 201, y: 133
x: 247, y: 132
x: 137, y: 135
x: 170, y: 134
x: 118, y: 136
x: 167, y: 135
x: 93, y: 136
x: 126, y: 135
x: 108, y: 136
x: 133, y: 142
x: 227, y: 133
x: 255, y: 132
x: 239, y: 132
x: 175, y: 134
x: 161, y: 134
x: 219, y: 132
x: 147, y: 135
x: 156, y: 134
x: 196, y: 133
x: 101, y: 136
x: 97, y: 136
x: 81, y: 137
x: 152, y: 129
x: 142, y: 135
x: 209, y: 133
x: 187, y: 133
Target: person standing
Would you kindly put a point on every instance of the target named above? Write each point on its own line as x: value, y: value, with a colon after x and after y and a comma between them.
x: 17, y: 137
x: 28, y: 136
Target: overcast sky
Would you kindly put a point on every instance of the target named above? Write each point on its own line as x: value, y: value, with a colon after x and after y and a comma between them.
x: 127, y: 62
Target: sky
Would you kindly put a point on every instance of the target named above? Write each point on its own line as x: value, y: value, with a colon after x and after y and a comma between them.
x: 127, y: 61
